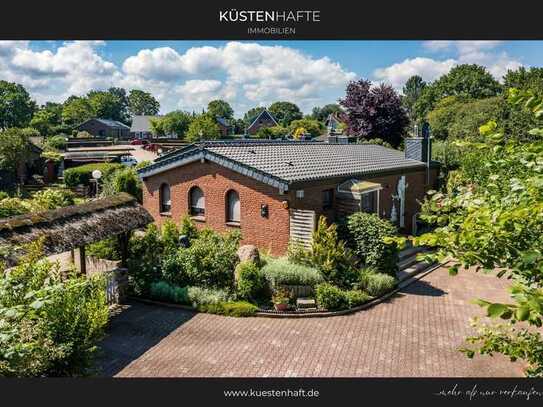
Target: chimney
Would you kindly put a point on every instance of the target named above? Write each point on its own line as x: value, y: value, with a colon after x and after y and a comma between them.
x: 419, y: 148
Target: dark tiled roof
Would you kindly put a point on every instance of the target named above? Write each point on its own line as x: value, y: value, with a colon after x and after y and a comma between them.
x: 113, y: 123
x: 294, y: 161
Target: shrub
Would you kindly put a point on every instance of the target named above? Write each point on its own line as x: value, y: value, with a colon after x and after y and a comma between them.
x: 331, y: 297
x: 108, y: 249
x: 52, y: 199
x: 198, y: 296
x: 162, y: 291
x: 376, y: 284
x: 251, y: 283
x: 281, y: 271
x: 328, y: 254
x: 365, y: 233
x: 49, y: 324
x: 232, y: 309
x: 56, y: 142
x: 144, y: 260
x: 188, y: 228
x: 209, y: 261
x: 81, y: 175
x: 170, y: 236
x: 122, y: 179
x: 14, y: 206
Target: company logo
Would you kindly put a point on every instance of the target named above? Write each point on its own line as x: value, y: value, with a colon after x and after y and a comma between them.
x: 266, y: 18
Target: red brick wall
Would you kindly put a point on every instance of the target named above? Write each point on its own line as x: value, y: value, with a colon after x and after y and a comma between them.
x: 271, y: 233
x: 415, y: 193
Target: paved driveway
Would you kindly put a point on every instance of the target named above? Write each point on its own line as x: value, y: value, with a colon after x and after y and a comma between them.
x: 416, y: 333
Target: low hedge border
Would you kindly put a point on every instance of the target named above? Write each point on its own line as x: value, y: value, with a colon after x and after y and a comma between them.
x: 310, y: 313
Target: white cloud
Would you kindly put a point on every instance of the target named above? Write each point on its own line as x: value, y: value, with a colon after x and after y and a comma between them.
x: 466, y: 52
x: 245, y: 74
x: 429, y: 69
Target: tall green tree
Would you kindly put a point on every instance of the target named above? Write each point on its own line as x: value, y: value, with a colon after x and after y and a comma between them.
x: 107, y: 105
x: 14, y: 148
x: 48, y: 119
x: 142, y: 103
x: 16, y: 106
x: 220, y: 108
x: 203, y: 127
x: 467, y: 81
x: 412, y: 91
x: 322, y: 113
x: 176, y: 122
x: 76, y: 110
x: 285, y: 112
x: 525, y: 79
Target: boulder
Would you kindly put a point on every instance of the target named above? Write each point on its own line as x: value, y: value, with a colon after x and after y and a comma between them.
x: 250, y: 253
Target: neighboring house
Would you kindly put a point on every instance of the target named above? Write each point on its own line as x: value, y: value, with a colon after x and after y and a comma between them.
x: 264, y: 119
x: 224, y: 126
x: 105, y: 128
x: 334, y: 133
x: 274, y: 191
x: 141, y: 127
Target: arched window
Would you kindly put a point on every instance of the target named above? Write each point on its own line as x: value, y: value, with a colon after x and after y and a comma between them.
x: 197, y: 202
x: 232, y: 206
x: 165, y: 199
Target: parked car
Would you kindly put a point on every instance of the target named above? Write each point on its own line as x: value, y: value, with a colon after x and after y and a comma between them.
x: 128, y: 160
x: 139, y: 142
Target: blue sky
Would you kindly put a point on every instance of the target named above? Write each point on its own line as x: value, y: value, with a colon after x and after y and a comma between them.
x: 187, y: 74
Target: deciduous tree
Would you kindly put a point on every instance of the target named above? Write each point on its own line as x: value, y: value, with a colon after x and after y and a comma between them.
x: 16, y: 106
x: 285, y: 112
x: 142, y: 103
x: 220, y: 108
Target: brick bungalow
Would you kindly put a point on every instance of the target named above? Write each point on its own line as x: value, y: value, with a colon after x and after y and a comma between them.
x: 274, y: 191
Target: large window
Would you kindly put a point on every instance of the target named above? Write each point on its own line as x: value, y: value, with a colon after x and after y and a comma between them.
x: 165, y: 199
x: 232, y: 207
x: 197, y: 202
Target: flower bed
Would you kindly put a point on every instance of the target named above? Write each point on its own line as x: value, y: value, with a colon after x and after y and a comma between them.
x: 205, y: 274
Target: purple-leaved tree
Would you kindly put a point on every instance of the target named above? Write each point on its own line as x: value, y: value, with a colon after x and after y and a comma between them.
x: 374, y: 112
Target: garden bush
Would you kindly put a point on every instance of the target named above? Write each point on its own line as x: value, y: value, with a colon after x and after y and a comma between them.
x: 49, y: 323
x: 331, y: 297
x: 123, y: 179
x: 232, y: 308
x: 328, y: 254
x: 82, y: 175
x: 376, y: 284
x: 281, y: 271
x: 170, y: 237
x: 145, y: 253
x: 56, y: 142
x: 188, y: 228
x: 108, y: 249
x: 162, y: 291
x: 52, y: 198
x: 251, y: 282
x: 14, y: 206
x: 364, y: 233
x: 198, y: 296
x: 209, y: 261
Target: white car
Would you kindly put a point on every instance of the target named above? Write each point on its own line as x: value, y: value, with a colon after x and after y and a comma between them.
x: 128, y: 160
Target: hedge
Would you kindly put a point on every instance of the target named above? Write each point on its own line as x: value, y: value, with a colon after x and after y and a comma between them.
x: 82, y: 175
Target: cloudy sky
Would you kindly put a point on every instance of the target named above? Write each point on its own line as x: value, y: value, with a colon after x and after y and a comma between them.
x: 188, y: 74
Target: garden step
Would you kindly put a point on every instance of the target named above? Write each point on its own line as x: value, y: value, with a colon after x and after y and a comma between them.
x: 412, y: 270
x: 306, y: 303
x: 407, y: 262
x: 408, y: 252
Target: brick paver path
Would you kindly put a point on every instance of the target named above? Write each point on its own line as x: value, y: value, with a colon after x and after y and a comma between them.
x: 416, y: 333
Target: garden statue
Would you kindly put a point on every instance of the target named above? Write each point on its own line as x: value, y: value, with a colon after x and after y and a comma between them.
x: 402, y: 186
